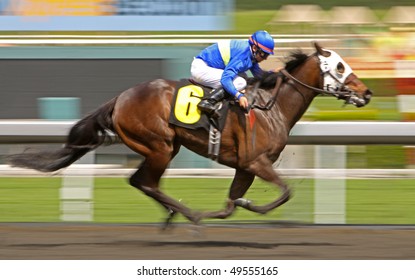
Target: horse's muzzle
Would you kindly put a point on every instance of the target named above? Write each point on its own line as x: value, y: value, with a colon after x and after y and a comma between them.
x: 367, y: 96
x: 358, y: 101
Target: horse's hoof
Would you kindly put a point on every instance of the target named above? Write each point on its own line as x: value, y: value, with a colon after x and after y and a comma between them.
x: 166, y: 227
x: 196, y: 218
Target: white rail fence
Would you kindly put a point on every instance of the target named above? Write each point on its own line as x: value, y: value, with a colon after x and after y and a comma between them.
x: 330, y: 139
x: 305, y: 133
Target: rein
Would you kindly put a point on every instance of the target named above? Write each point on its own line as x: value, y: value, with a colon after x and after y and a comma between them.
x: 339, y: 94
x: 345, y: 95
x: 274, y: 95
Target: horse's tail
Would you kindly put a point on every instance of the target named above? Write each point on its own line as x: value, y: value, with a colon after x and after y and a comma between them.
x: 86, y: 135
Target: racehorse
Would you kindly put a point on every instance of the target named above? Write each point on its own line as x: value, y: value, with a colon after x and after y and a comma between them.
x: 251, y: 142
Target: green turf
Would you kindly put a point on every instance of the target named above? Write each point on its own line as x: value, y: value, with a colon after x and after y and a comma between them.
x: 372, y: 201
x: 29, y: 199
x: 391, y: 202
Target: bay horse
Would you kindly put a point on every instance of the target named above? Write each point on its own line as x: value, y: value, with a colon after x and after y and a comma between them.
x: 251, y: 142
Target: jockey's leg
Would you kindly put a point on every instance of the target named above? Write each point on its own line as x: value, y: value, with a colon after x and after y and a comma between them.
x: 208, y: 104
x: 205, y: 75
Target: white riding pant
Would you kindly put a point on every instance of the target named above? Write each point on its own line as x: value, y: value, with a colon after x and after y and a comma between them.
x: 210, y: 77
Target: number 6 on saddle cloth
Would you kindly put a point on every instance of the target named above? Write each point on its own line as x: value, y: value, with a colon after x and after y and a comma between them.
x: 184, y: 113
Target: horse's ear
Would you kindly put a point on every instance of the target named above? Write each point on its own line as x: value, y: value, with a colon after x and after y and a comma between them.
x: 320, y: 50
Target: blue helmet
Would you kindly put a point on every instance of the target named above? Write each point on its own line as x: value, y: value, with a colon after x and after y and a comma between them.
x: 263, y: 40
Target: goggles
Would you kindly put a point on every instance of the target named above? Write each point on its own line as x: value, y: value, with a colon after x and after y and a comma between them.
x: 262, y: 54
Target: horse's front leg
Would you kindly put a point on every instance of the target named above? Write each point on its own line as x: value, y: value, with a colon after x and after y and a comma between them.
x: 240, y: 185
x: 262, y: 167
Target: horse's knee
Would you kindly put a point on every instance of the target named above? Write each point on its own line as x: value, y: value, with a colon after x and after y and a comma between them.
x: 134, y: 182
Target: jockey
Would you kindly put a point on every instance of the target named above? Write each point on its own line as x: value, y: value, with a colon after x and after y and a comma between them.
x: 222, y: 66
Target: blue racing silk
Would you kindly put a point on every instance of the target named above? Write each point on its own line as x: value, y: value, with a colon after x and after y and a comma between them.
x: 236, y: 61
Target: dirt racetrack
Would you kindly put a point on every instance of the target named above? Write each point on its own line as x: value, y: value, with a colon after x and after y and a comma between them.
x: 288, y: 242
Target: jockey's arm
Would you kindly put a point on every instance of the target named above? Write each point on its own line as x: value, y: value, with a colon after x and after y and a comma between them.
x: 227, y: 82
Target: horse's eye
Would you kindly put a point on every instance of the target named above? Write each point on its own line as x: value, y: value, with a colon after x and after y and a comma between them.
x: 340, y: 68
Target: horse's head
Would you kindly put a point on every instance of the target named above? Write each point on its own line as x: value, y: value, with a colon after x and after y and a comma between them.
x: 339, y: 79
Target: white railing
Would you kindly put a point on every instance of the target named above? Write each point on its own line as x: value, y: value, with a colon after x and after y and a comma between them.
x: 304, y: 133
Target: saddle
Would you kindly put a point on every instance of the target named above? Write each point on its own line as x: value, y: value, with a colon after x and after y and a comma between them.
x: 184, y: 113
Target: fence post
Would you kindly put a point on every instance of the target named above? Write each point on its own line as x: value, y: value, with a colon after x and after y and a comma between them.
x: 330, y: 193
x: 76, y: 193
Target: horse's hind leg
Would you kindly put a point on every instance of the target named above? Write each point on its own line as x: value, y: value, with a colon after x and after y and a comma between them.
x: 240, y: 185
x: 147, y: 179
x: 170, y: 212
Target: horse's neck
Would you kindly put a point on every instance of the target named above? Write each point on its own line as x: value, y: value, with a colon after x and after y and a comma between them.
x: 293, y: 99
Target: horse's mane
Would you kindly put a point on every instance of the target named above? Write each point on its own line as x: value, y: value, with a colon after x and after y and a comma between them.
x: 268, y: 80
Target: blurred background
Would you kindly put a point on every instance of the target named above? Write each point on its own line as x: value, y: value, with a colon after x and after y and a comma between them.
x: 61, y: 59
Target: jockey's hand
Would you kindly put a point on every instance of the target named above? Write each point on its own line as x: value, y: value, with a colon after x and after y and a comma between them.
x: 243, y: 102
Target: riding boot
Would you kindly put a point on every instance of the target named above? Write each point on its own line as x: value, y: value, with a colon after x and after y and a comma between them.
x: 208, y: 104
